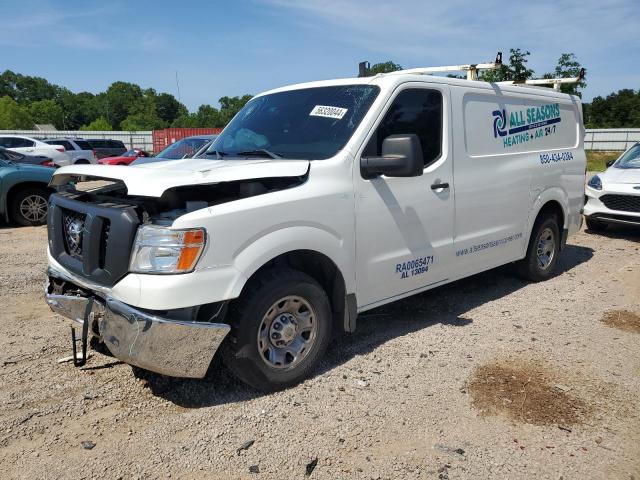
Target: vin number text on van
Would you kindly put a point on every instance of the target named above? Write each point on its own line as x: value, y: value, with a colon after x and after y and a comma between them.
x: 414, y: 267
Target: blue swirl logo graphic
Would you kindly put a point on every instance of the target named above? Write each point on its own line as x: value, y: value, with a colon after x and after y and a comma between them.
x: 499, y: 123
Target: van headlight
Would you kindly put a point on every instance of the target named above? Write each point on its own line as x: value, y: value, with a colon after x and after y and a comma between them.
x: 166, y: 250
x: 595, y: 183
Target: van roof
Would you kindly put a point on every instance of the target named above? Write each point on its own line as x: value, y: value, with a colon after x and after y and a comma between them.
x: 393, y: 79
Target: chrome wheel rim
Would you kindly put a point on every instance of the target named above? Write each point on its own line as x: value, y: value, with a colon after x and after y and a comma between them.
x: 546, y: 248
x: 287, y: 332
x: 34, y: 208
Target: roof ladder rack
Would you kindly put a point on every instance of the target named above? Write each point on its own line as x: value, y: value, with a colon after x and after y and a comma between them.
x: 556, y: 82
x: 471, y: 69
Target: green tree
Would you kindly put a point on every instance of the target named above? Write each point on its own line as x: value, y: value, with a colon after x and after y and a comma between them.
x: 187, y: 120
x: 119, y: 100
x: 568, y: 67
x: 229, y: 106
x: 47, y: 111
x: 143, y: 114
x: 78, y: 109
x: 620, y: 109
x: 514, y: 69
x: 384, y: 67
x: 168, y: 108
x: 99, y: 124
x: 13, y: 116
x: 25, y: 89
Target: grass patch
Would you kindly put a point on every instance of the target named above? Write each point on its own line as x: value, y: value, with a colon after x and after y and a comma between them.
x: 525, y: 392
x: 597, y: 161
x: 623, y: 320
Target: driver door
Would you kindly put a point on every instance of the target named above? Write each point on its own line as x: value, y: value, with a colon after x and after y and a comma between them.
x: 404, y: 226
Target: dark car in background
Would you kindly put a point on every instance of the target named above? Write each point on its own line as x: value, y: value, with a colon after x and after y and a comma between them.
x: 185, y: 148
x: 18, y: 157
x: 106, y: 148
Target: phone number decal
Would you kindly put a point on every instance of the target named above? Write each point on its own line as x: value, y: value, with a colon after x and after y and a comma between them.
x: 546, y: 158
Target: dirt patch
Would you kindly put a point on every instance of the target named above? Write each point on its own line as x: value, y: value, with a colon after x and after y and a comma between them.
x: 622, y: 320
x: 526, y: 393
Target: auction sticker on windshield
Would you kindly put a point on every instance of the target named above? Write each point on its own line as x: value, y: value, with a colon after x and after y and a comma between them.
x: 328, y: 112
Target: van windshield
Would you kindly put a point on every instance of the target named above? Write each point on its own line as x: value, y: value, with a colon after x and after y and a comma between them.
x: 306, y: 124
x: 630, y: 159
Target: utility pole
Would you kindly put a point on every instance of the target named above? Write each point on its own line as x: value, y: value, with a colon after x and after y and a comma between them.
x: 178, y: 86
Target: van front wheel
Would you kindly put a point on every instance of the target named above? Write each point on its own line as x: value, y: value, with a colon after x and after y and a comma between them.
x: 280, y: 328
x: 543, y: 250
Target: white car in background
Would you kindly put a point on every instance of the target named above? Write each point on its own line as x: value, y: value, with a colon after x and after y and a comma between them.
x: 33, y: 147
x: 78, y: 149
x: 613, y: 197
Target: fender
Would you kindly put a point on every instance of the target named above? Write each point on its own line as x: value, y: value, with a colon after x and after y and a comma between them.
x: 254, y: 255
x: 549, y: 194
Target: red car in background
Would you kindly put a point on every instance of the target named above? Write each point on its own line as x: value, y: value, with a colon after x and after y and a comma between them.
x: 124, y: 159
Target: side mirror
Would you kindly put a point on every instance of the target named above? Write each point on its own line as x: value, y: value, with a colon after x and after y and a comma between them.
x: 401, y: 157
x: 609, y: 163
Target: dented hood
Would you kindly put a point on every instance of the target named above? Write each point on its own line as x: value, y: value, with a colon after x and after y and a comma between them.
x: 152, y: 179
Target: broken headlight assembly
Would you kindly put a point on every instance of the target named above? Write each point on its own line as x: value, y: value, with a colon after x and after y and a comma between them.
x: 166, y: 250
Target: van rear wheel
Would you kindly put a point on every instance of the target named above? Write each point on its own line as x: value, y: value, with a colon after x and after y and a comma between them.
x: 543, y: 250
x: 280, y: 328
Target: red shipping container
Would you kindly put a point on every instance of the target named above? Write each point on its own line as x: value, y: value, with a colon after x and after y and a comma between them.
x: 164, y: 138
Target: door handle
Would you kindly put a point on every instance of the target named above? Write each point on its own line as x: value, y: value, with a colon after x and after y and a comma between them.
x: 438, y: 186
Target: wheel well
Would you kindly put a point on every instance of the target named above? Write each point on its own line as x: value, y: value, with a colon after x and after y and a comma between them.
x: 21, y: 186
x: 554, y: 208
x: 322, y: 269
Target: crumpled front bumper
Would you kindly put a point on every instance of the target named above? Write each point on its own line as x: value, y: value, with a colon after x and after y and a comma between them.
x: 171, y: 347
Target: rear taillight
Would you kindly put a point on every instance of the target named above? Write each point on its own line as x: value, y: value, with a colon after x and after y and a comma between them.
x: 60, y: 149
x: 48, y: 163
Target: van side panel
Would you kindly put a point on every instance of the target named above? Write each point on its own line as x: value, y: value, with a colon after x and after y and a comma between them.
x: 492, y: 184
x: 517, y: 151
x: 561, y: 167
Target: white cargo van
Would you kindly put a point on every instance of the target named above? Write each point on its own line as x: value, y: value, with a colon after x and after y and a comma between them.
x: 317, y: 202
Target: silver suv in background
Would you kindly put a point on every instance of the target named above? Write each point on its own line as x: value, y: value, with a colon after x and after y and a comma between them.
x: 78, y: 149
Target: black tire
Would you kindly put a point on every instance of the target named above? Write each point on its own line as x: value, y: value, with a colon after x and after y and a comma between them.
x: 595, y: 225
x: 532, y: 267
x: 241, y: 352
x: 17, y: 206
x: 82, y: 161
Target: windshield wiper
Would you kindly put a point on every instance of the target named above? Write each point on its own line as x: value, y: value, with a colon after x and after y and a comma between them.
x: 217, y: 153
x: 259, y: 152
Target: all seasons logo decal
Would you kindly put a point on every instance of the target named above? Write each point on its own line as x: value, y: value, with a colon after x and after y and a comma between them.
x: 517, y: 126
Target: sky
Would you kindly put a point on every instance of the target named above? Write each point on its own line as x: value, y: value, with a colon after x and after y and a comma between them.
x: 217, y: 48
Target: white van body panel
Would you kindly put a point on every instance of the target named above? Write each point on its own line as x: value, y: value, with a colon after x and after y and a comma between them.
x: 376, y: 231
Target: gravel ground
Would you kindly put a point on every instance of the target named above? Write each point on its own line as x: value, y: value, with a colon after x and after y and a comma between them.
x: 489, y: 377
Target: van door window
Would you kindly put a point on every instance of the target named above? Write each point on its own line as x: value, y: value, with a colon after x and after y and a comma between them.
x: 416, y: 111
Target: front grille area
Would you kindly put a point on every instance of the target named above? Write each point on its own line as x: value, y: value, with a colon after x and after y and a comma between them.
x: 73, y: 227
x: 622, y: 203
x: 104, y: 235
x: 93, y: 240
